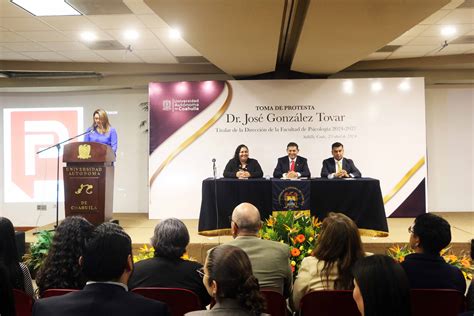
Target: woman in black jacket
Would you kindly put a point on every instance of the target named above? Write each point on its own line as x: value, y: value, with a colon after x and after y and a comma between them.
x: 241, y: 166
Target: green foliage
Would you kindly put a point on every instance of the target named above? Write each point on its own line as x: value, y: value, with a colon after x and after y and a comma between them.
x: 38, y: 250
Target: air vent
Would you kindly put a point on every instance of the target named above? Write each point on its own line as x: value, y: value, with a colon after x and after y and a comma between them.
x: 105, y: 45
x: 100, y: 7
x: 192, y: 60
x: 389, y: 49
x: 466, y: 39
x: 467, y: 4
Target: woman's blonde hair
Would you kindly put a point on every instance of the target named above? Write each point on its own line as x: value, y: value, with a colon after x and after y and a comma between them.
x: 104, y: 119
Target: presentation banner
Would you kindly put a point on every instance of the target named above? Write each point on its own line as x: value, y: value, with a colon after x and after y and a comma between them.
x: 380, y: 122
x: 31, y: 177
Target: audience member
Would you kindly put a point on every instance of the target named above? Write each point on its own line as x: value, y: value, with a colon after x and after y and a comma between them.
x: 270, y: 259
x: 7, y: 302
x: 381, y: 287
x: 228, y: 277
x: 470, y: 291
x: 61, y: 269
x: 17, y: 272
x: 425, y: 268
x: 329, y: 267
x: 107, y: 264
x: 170, y: 240
x: 241, y: 166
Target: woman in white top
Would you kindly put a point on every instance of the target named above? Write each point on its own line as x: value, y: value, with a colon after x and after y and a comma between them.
x: 329, y: 267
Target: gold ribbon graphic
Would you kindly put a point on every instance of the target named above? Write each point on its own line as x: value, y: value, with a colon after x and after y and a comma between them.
x: 193, y: 137
x: 404, y: 180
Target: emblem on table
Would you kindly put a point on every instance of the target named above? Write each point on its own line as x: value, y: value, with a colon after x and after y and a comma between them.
x: 88, y: 189
x: 84, y: 151
x: 291, y: 199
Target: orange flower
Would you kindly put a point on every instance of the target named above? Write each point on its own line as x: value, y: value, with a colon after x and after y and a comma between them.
x: 300, y: 238
x: 295, y: 252
x: 465, y: 262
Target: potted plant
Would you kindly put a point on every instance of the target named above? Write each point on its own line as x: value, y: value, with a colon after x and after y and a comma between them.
x: 296, y: 229
x: 38, y: 251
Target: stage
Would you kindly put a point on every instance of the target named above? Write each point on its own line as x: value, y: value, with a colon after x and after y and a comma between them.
x: 140, y: 229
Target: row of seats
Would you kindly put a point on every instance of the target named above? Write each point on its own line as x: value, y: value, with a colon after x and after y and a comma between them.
x: 317, y: 303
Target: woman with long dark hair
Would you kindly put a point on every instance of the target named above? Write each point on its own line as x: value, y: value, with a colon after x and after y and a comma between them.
x: 381, y: 287
x: 241, y: 166
x: 228, y: 277
x: 329, y: 267
x: 17, y: 272
x: 60, y: 269
x: 7, y: 302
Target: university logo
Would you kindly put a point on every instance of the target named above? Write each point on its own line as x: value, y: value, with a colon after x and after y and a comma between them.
x: 167, y: 105
x: 291, y: 199
x: 84, y: 187
x: 30, y: 176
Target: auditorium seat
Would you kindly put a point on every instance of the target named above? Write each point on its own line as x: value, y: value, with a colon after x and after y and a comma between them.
x: 276, y: 303
x: 23, y: 303
x: 56, y: 292
x: 328, y: 303
x: 179, y: 301
x: 436, y: 302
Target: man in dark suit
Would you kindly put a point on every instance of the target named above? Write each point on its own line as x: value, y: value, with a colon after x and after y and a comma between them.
x: 107, y: 262
x: 339, y: 167
x: 292, y: 166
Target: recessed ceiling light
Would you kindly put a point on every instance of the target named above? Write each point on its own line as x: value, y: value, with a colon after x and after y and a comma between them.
x: 131, y: 35
x: 448, y: 30
x: 88, y: 36
x: 175, y: 33
x: 376, y: 86
x: 348, y: 86
x: 46, y: 7
x: 405, y: 85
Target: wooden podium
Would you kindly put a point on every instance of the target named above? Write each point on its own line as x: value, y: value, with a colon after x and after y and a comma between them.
x: 89, y: 181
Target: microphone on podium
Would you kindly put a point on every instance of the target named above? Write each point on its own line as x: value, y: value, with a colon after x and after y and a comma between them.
x: 214, y: 170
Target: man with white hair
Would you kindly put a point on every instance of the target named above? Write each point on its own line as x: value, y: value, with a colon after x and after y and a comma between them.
x: 270, y: 259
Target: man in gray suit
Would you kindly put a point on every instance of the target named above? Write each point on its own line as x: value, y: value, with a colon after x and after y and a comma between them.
x: 270, y: 259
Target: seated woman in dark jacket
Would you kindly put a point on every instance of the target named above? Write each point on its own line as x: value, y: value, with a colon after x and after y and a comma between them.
x: 425, y: 268
x: 167, y: 269
x: 241, y: 166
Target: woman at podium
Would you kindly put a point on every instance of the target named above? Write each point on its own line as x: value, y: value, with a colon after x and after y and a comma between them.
x: 101, y: 131
x: 241, y: 166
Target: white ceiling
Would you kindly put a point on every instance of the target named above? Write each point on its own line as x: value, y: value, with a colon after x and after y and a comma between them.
x: 241, y: 37
x: 425, y: 38
x: 57, y: 38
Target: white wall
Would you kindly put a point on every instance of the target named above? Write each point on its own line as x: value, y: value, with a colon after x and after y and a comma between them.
x: 449, y: 115
x: 131, y: 171
x: 450, y: 139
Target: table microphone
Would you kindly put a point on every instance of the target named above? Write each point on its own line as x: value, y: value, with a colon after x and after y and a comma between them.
x: 214, y: 170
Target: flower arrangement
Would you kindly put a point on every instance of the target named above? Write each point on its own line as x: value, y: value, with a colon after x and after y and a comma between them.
x: 146, y: 252
x: 297, y: 230
x: 463, y: 262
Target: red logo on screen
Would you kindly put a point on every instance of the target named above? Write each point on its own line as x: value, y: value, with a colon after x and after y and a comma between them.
x: 32, y: 131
